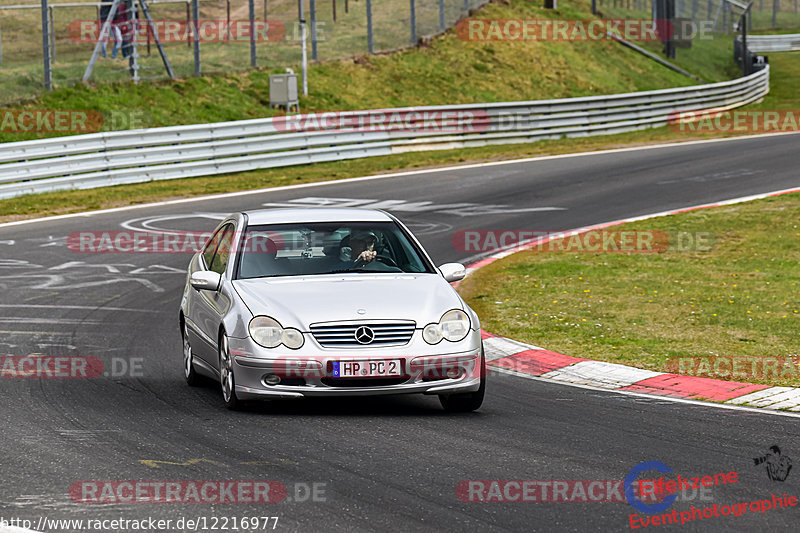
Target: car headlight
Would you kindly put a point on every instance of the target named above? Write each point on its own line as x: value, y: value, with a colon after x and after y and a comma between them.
x: 453, y: 326
x: 268, y: 332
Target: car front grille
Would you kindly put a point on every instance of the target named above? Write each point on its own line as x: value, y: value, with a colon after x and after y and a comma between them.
x: 341, y: 335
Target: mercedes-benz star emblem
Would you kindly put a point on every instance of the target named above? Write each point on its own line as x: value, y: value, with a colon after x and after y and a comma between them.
x: 364, y: 335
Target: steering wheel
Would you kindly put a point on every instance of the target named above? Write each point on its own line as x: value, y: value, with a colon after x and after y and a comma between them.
x: 386, y: 260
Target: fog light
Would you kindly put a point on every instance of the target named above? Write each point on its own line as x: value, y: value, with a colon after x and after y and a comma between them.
x: 453, y: 373
x: 272, y: 379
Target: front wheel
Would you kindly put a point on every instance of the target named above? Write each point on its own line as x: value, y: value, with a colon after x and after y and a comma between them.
x: 467, y: 401
x: 189, y: 373
x: 226, y: 379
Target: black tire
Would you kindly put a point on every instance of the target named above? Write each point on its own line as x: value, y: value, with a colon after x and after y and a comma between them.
x: 226, y: 379
x: 189, y: 373
x: 467, y: 401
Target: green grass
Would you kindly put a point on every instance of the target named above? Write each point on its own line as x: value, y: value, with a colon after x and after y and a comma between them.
x: 738, y: 300
x: 446, y: 70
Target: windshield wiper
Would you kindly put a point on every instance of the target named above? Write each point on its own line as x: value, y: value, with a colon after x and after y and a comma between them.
x: 344, y: 271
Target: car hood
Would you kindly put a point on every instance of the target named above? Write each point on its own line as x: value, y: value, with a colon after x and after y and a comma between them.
x: 301, y: 301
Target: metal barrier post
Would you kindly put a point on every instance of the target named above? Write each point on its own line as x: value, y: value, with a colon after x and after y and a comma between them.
x: 370, y: 44
x: 413, y: 22
x: 48, y: 75
x: 196, y: 17
x: 134, y: 59
x: 313, y: 8
x: 228, y: 19
x: 304, y: 56
x: 775, y: 8
x: 253, y: 56
x: 52, y: 35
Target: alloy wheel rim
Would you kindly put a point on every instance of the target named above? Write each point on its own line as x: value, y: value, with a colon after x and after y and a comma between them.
x: 187, y: 355
x: 225, y: 374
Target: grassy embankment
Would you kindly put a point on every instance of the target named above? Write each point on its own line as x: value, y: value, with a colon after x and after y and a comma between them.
x: 738, y: 300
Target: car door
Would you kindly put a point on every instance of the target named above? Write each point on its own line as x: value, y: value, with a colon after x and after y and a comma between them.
x: 208, y: 307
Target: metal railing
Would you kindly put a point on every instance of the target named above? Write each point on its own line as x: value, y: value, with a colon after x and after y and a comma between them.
x: 135, y: 156
x: 773, y: 43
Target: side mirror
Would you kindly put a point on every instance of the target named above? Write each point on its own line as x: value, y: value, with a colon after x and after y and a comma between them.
x: 453, y: 271
x: 205, y: 280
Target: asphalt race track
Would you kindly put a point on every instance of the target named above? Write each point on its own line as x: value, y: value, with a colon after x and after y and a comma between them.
x: 388, y: 464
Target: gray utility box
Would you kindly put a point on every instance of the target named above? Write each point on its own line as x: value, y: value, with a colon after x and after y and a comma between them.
x: 283, y: 91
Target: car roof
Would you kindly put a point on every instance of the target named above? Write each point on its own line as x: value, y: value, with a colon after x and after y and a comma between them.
x: 315, y: 214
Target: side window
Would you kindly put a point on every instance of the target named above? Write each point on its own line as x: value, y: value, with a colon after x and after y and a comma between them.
x: 211, y: 247
x: 223, y: 253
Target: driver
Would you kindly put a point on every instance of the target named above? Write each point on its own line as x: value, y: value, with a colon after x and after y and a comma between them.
x: 362, y: 246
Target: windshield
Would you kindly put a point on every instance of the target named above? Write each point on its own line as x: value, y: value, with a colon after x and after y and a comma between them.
x: 328, y: 248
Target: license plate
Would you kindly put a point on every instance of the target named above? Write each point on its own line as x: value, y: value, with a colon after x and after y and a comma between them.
x: 367, y: 369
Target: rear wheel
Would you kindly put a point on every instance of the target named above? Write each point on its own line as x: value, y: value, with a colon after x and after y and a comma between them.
x: 467, y: 401
x: 226, y: 379
x: 189, y: 372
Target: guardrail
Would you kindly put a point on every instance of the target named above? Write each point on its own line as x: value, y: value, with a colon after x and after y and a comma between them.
x: 135, y: 156
x: 773, y: 43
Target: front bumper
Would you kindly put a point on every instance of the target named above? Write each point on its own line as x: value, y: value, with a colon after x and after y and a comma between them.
x: 304, y: 373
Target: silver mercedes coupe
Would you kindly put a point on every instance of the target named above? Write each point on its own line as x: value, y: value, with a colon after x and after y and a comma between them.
x: 293, y: 303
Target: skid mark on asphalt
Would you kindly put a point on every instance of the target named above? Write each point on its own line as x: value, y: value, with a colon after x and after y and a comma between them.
x: 157, y: 464
x: 191, y: 462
